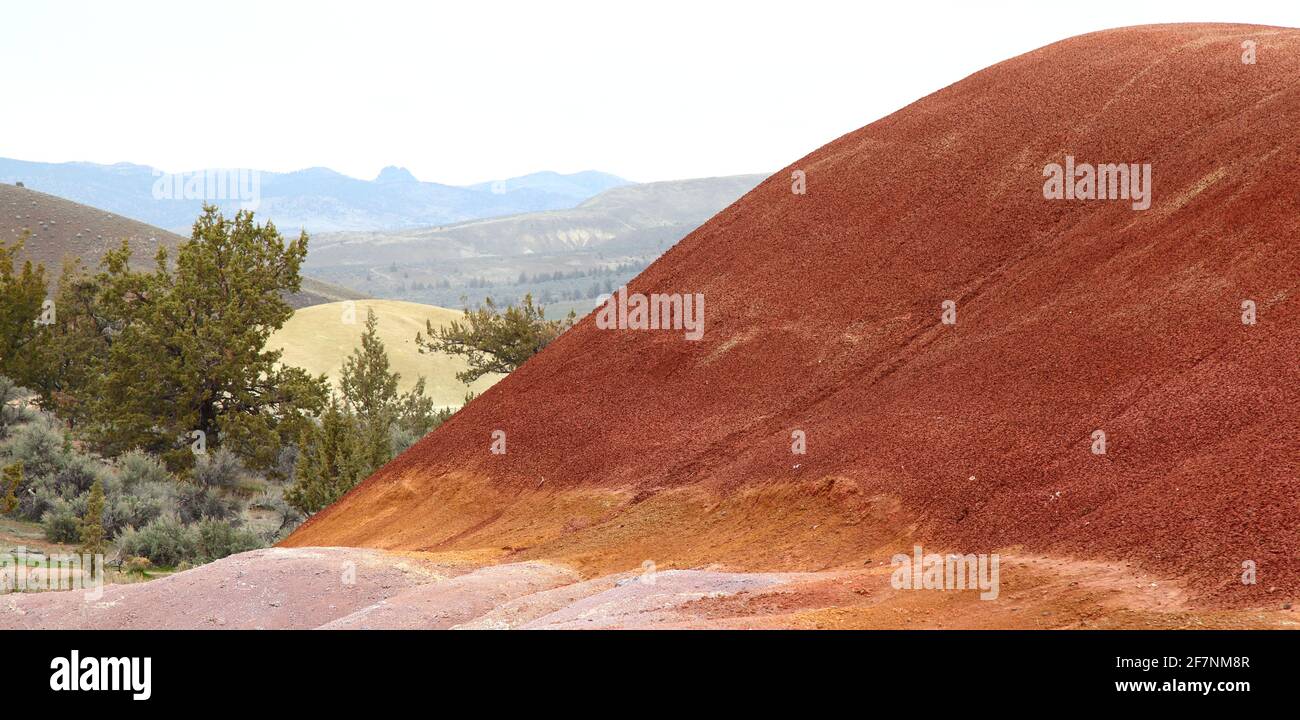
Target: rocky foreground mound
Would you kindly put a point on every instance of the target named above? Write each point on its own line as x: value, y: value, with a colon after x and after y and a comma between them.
x: 357, y: 589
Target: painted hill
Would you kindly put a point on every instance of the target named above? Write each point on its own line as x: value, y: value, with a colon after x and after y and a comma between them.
x: 319, y: 338
x: 824, y: 316
x: 64, y: 230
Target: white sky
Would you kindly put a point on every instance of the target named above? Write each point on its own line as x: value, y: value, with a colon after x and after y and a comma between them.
x: 465, y: 91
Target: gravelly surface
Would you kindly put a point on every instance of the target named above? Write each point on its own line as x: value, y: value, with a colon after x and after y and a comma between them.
x: 656, y: 600
x: 347, y: 588
x: 440, y: 605
x: 272, y: 588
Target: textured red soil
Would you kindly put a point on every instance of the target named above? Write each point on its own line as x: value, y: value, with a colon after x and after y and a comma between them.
x: 823, y: 315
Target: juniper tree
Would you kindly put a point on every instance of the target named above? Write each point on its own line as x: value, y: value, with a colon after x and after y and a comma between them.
x: 492, y: 340
x: 10, y: 479
x: 369, y: 389
x: 331, y: 460
x: 22, y: 296
x: 358, y: 428
x: 415, y: 413
x: 72, y: 352
x: 187, y: 344
x: 92, y: 523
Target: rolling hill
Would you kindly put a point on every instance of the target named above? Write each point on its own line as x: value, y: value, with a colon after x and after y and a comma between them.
x: 565, y: 257
x: 319, y: 338
x: 635, y: 217
x: 826, y: 318
x: 64, y: 230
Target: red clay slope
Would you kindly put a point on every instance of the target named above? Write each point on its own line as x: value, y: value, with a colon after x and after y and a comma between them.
x: 823, y: 314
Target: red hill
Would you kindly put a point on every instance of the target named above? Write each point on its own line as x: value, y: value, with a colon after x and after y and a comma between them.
x: 824, y: 315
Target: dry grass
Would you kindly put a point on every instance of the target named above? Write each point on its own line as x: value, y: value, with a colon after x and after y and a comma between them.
x: 318, y: 340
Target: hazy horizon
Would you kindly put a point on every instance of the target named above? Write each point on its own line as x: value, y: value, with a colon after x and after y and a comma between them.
x: 462, y: 95
x: 370, y: 178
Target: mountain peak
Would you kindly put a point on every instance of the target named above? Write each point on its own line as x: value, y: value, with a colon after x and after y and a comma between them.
x: 395, y: 174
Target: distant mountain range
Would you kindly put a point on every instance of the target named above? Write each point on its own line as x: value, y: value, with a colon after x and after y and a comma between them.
x: 316, y: 199
x: 565, y: 257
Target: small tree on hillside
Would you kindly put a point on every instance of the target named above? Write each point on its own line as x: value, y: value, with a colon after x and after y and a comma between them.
x: 92, y: 523
x: 22, y: 297
x: 360, y: 428
x: 331, y: 461
x: 11, y: 478
x: 75, y: 348
x: 369, y: 390
x: 494, y: 341
x: 415, y: 413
